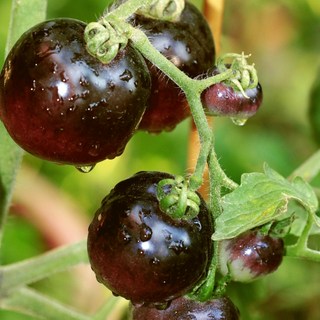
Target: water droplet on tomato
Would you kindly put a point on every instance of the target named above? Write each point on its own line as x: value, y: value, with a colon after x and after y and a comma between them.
x: 154, y: 262
x: 145, y: 232
x: 161, y: 305
x: 95, y: 150
x: 85, y: 169
x: 126, y: 76
x: 238, y: 121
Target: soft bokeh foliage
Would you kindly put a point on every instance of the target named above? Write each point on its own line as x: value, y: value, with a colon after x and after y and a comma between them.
x: 284, y: 39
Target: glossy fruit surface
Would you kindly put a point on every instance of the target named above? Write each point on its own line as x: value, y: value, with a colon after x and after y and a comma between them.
x: 251, y: 255
x: 63, y: 105
x: 189, y: 45
x: 187, y: 309
x: 139, y: 252
x: 222, y: 100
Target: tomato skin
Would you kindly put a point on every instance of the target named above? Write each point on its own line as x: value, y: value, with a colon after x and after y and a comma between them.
x: 139, y: 252
x: 184, y: 308
x: 188, y: 43
x: 63, y: 105
x: 222, y: 100
x: 251, y: 255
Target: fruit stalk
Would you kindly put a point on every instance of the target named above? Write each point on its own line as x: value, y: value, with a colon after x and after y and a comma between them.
x: 300, y: 249
x: 192, y: 89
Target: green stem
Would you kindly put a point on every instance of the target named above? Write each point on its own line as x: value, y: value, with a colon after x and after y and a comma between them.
x: 40, y: 267
x: 205, y: 292
x: 192, y: 88
x: 309, y: 169
x: 25, y: 13
x: 300, y: 249
x: 127, y: 9
x: 28, y: 301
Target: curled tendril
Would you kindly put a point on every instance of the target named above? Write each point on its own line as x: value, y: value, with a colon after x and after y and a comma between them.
x: 245, y: 75
x: 179, y: 202
x: 105, y: 40
x: 163, y: 9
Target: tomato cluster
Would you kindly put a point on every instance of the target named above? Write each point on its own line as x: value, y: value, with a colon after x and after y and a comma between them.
x: 61, y: 104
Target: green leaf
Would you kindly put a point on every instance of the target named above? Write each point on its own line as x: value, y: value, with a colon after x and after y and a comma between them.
x: 260, y: 198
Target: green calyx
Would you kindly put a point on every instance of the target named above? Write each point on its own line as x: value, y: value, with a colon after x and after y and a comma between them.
x: 104, y: 39
x: 245, y: 75
x: 179, y: 202
x: 163, y: 9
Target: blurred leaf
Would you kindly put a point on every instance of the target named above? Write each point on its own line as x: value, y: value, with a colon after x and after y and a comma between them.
x: 260, y: 198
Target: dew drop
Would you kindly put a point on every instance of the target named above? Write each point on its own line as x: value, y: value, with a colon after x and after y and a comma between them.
x: 178, y: 247
x: 145, y: 232
x: 238, y: 121
x: 125, y: 236
x: 33, y: 85
x: 154, y: 262
x: 162, y: 305
x: 167, y: 234
x: 83, y: 82
x: 85, y: 169
x: 95, y: 150
x: 141, y: 252
x: 167, y: 47
x: 111, y: 85
x: 126, y: 76
x: 188, y: 49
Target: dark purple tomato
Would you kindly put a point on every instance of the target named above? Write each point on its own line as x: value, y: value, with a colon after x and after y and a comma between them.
x: 187, y: 309
x: 222, y: 100
x: 139, y: 252
x: 188, y: 44
x: 61, y: 104
x: 251, y: 256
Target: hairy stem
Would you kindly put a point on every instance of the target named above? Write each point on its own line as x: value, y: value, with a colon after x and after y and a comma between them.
x: 28, y: 301
x: 192, y: 88
x: 300, y: 249
x: 127, y: 9
x: 34, y: 269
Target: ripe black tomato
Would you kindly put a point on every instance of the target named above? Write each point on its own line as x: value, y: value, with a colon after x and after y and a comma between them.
x: 251, y: 255
x: 139, y: 252
x: 184, y: 308
x: 222, y: 100
x: 188, y: 43
x: 63, y: 105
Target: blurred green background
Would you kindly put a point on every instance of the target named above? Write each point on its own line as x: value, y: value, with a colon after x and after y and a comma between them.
x: 283, y: 37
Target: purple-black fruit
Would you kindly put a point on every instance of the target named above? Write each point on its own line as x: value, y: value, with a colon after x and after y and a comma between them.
x: 251, y: 255
x: 187, y: 309
x: 61, y: 104
x: 142, y: 254
x: 222, y: 100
